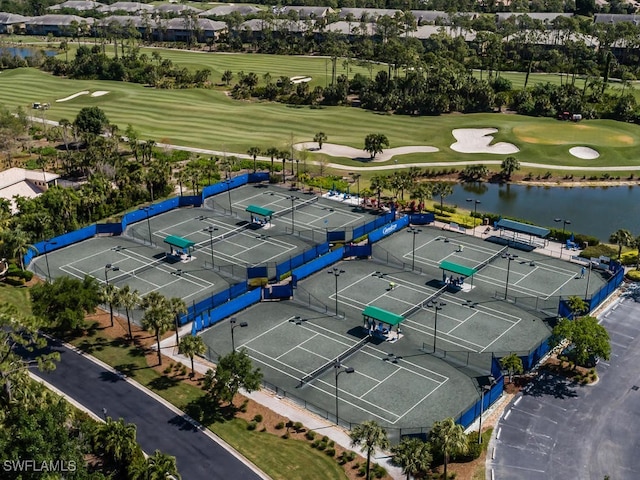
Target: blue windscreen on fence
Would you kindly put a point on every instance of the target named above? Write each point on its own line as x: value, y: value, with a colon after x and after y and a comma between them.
x: 190, y: 200
x: 213, y: 301
x: 318, y: 264
x: 257, y: 272
x: 421, y: 218
x: 273, y: 292
x: 229, y: 308
x: 382, y: 232
x: 482, y: 404
x: 110, y: 228
x: 306, y: 256
x: 369, y: 227
x: 359, y: 251
x: 338, y: 236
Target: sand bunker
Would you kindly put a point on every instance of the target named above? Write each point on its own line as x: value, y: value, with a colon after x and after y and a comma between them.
x: 334, y: 150
x: 71, y: 97
x: 99, y: 93
x: 477, y: 140
x: 585, y: 153
x: 300, y: 79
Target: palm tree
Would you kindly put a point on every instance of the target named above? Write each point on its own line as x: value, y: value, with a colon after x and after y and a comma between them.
x: 508, y: 166
x: 161, y: 465
x: 635, y: 243
x: 622, y: 238
x: 116, y: 440
x: 254, y: 152
x: 320, y: 138
x: 379, y: 183
x: 512, y: 363
x: 448, y: 437
x: 178, y: 307
x: 414, y: 456
x: 191, y: 346
x: 421, y: 192
x: 129, y: 299
x: 20, y: 244
x: 109, y: 294
x: 369, y: 435
x: 157, y: 317
x: 271, y: 152
x: 442, y: 190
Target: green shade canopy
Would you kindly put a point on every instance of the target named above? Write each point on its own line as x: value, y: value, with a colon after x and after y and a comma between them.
x: 381, y: 315
x: 456, y: 268
x: 256, y: 210
x: 179, y: 242
x: 522, y: 228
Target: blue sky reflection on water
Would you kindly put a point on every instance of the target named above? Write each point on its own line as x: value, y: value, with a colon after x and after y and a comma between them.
x: 597, y: 211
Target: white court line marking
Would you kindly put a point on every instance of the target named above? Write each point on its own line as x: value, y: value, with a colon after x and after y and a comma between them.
x: 418, y: 403
x: 325, y: 359
x: 378, y: 382
x: 462, y: 322
x: 499, y: 337
x: 452, y: 342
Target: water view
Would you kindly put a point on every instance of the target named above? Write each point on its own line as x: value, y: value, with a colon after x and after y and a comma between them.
x: 596, y: 211
x: 24, y: 52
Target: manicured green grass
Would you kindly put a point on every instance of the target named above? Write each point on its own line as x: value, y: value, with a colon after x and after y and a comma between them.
x: 209, y: 119
x: 18, y: 296
x: 279, y: 458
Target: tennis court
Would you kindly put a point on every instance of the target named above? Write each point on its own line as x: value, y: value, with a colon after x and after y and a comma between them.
x: 310, y: 211
x: 289, y: 342
x: 530, y: 274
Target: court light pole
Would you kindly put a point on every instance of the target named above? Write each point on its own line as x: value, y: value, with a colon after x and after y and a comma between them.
x: 485, y: 388
x: 336, y: 273
x: 415, y: 232
x: 586, y: 292
x: 147, y: 210
x: 211, y: 229
x: 46, y: 258
x: 109, y: 268
x: 437, y: 306
x: 475, y: 211
x: 509, y: 257
x: 235, y: 325
x: 564, y: 225
x: 356, y: 178
x: 228, y: 182
x: 340, y: 369
x: 293, y: 199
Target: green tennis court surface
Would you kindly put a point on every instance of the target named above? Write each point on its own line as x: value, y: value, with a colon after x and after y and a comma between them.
x: 401, y: 383
x: 225, y: 241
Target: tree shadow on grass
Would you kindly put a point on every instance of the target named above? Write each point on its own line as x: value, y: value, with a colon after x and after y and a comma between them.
x: 129, y: 369
x: 163, y: 382
x: 207, y: 411
x: 91, y: 346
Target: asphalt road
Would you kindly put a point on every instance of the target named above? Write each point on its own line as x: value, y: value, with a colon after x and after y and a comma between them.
x: 198, y: 456
x: 558, y: 430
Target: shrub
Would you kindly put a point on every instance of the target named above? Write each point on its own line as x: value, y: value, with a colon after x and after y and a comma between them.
x: 325, y: 439
x: 331, y: 443
x: 315, y: 444
x: 167, y: 370
x: 331, y: 452
x: 252, y: 426
x: 183, y: 370
x: 310, y: 435
x: 351, y: 455
x: 633, y: 275
x: 285, y: 436
x: 257, y: 418
x: 298, y: 427
x: 321, y: 446
x: 378, y: 471
x: 279, y: 425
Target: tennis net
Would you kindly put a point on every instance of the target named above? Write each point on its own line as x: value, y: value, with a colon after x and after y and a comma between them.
x: 426, y: 302
x: 492, y: 258
x: 296, y: 206
x: 343, y: 356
